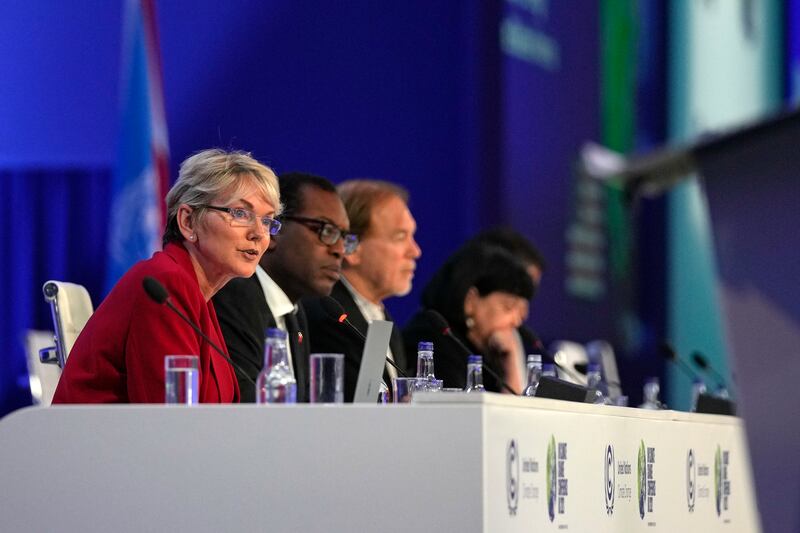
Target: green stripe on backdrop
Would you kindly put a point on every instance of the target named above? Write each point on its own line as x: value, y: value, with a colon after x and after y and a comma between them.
x: 618, y: 33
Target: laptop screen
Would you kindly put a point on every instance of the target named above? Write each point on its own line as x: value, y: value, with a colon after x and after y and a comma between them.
x: 373, y: 361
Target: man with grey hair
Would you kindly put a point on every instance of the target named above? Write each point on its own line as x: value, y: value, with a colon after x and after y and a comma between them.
x: 382, y: 266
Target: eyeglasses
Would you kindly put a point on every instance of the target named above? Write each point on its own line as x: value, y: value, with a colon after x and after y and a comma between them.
x: 328, y: 233
x: 243, y: 218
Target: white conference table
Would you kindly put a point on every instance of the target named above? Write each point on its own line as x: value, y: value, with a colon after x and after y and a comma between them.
x: 448, y: 462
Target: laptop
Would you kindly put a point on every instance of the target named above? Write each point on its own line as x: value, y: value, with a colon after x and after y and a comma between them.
x: 373, y: 362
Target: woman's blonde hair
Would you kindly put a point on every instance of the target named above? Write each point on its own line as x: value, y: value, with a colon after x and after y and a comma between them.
x: 209, y: 173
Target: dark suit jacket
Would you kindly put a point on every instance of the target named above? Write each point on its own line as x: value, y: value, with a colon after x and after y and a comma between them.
x: 329, y: 336
x: 119, y: 355
x: 244, y: 317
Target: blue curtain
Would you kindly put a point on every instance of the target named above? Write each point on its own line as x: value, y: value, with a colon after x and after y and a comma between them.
x: 54, y: 226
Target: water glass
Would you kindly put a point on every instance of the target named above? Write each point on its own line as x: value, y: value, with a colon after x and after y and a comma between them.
x: 327, y: 378
x: 621, y: 401
x: 181, y: 379
x: 403, y: 388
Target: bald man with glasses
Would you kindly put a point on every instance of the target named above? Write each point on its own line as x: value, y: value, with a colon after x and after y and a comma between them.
x: 303, y: 260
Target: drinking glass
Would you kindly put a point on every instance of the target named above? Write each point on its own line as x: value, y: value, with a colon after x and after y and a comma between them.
x: 327, y: 378
x: 181, y: 379
x: 403, y: 388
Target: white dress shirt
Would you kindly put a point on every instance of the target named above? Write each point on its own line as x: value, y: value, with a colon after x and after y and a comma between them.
x: 279, y: 304
x: 371, y: 311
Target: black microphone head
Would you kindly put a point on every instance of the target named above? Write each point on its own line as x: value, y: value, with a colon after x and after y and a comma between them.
x: 667, y: 351
x: 437, y: 320
x: 155, y: 290
x: 333, y: 309
x: 699, y: 360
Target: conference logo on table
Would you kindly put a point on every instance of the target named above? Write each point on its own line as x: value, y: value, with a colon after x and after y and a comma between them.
x: 691, y: 480
x: 640, y: 480
x: 718, y: 480
x: 645, y: 479
x: 609, y: 479
x: 550, y: 479
x: 512, y: 477
x: 556, y: 480
x: 722, y: 485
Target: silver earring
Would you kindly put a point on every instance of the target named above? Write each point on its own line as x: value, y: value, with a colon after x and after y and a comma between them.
x: 469, y: 322
x: 191, y: 237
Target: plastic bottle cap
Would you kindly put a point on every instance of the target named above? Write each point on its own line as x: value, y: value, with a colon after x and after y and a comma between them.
x: 275, y: 333
x: 425, y: 346
x: 475, y: 359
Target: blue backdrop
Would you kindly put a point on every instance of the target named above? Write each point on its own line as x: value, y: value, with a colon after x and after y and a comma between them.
x: 53, y: 228
x: 430, y: 94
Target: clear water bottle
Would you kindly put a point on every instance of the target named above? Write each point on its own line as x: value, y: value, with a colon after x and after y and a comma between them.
x: 549, y: 370
x: 383, y: 394
x: 534, y: 373
x: 276, y: 383
x: 651, y: 392
x: 474, y: 374
x: 425, y: 360
x: 594, y: 381
x: 698, y: 388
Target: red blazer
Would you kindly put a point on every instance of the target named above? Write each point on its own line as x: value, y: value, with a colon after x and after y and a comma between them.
x: 119, y: 355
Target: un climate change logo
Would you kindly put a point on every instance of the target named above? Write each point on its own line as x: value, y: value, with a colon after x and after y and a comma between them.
x: 512, y: 477
x: 641, y: 481
x: 691, y: 480
x: 718, y: 480
x: 550, y: 480
x: 609, y: 478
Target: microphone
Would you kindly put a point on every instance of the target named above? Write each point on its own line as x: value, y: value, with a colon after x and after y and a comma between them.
x: 703, y: 364
x: 336, y: 312
x: 668, y: 353
x: 439, y: 322
x: 156, y: 291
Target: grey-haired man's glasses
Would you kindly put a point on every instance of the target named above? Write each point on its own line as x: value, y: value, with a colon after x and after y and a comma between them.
x: 329, y: 234
x: 241, y: 217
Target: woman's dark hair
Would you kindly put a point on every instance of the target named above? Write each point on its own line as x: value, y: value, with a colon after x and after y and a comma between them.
x: 514, y: 242
x: 487, y: 268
